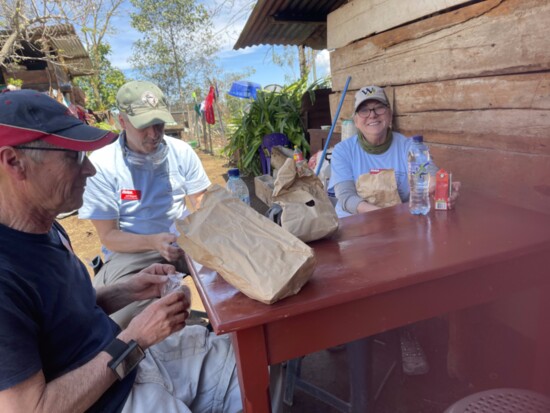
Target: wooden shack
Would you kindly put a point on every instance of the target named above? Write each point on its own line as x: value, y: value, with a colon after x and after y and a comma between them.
x: 472, y: 77
x: 50, y: 59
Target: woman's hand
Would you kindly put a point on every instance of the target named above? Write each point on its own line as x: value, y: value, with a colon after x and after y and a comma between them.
x: 364, y: 206
x: 454, y: 194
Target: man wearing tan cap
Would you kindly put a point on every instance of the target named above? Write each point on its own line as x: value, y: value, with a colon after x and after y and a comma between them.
x: 140, y: 189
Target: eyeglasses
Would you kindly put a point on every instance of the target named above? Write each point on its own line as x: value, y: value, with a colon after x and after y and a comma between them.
x: 80, y: 155
x: 378, y: 110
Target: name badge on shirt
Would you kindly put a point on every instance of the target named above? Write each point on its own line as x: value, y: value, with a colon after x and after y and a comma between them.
x: 130, y: 194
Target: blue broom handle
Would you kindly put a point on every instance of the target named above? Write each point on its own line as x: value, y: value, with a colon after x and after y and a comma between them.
x: 320, y: 163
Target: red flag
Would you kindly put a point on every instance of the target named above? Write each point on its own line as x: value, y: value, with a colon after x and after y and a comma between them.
x: 209, y: 107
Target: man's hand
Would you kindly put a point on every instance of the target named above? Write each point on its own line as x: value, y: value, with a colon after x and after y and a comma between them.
x: 141, y: 286
x: 148, y: 282
x: 119, y: 241
x: 160, y: 319
x: 166, y: 244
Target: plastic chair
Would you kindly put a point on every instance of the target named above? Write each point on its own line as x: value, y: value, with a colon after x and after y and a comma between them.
x: 502, y: 400
x: 268, y: 142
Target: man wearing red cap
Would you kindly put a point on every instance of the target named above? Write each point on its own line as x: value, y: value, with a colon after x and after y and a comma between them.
x: 60, y: 350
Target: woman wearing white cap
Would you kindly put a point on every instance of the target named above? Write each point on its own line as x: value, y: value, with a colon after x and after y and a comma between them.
x: 376, y: 146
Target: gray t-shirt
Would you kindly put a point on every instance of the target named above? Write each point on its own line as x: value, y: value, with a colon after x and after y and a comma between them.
x: 144, y: 200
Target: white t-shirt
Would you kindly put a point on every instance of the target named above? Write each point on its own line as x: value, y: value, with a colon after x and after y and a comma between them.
x: 143, y: 200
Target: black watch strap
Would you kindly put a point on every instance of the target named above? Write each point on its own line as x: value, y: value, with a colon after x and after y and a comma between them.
x: 126, y: 357
x: 116, y: 348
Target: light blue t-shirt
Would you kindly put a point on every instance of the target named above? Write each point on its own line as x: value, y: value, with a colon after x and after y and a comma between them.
x: 143, y: 200
x: 349, y: 161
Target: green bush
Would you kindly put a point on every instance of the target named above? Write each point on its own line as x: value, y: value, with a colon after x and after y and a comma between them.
x: 270, y: 112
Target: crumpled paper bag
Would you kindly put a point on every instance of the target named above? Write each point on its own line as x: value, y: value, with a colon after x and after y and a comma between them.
x: 252, y: 253
x: 379, y: 188
x: 307, y: 211
x: 279, y: 155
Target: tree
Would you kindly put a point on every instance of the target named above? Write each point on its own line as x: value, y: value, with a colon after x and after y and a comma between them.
x: 95, y: 24
x: 26, y: 20
x: 101, y: 89
x: 287, y: 56
x: 177, y: 44
x: 31, y: 22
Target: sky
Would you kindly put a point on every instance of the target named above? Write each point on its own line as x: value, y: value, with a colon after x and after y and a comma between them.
x: 258, y: 57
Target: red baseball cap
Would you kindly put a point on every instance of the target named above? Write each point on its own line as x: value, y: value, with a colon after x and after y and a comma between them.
x: 28, y: 115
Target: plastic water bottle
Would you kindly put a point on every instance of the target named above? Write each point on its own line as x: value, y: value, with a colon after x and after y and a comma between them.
x: 237, y: 187
x: 419, y: 177
x: 348, y: 129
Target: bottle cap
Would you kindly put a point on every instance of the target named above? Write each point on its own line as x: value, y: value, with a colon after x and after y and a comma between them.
x: 418, y: 138
x: 234, y: 172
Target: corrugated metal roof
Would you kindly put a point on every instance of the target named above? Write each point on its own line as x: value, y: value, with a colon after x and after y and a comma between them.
x: 288, y: 22
x: 65, y: 44
x: 69, y: 48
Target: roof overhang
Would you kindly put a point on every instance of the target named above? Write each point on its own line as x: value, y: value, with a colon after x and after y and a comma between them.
x: 288, y: 22
x: 64, y: 43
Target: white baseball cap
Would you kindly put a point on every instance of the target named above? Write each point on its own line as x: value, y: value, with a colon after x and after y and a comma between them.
x: 368, y: 93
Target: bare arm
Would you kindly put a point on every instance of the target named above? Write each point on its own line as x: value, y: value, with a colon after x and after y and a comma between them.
x: 116, y: 240
x: 77, y: 390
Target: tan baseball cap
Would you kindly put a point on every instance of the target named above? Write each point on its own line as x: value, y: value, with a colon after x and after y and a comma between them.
x: 144, y: 104
x: 368, y: 93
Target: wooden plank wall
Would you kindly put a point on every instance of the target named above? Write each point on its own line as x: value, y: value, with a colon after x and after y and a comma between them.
x: 364, y: 18
x: 475, y: 81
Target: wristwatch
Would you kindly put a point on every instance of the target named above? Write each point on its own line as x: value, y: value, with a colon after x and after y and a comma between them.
x: 126, y: 356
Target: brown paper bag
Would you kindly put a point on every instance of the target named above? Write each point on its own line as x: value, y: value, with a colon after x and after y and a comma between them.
x: 250, y: 252
x: 379, y: 188
x: 279, y: 155
x: 307, y: 211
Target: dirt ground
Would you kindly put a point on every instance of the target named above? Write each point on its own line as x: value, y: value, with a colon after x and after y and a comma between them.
x: 83, y: 237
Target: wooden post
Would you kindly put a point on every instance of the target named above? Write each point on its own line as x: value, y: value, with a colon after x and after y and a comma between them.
x: 203, y: 121
x: 220, y: 118
x: 210, y: 140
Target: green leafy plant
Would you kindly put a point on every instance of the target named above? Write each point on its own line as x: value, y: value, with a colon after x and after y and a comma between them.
x: 270, y: 112
x: 14, y: 82
x: 106, y: 126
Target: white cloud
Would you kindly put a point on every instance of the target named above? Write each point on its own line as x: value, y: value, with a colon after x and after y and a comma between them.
x: 322, y: 62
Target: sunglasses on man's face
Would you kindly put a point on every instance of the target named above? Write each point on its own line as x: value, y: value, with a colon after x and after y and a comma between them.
x: 79, y: 156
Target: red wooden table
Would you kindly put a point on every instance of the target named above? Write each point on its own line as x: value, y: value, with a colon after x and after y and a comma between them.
x: 383, y: 270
